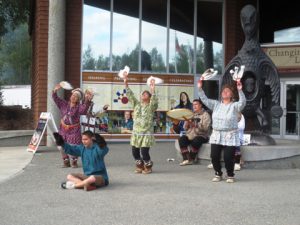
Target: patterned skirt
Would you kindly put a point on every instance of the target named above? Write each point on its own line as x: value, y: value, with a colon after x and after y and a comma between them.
x: 139, y: 140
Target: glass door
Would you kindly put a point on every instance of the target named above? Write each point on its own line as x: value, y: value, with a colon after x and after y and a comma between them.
x: 291, y: 105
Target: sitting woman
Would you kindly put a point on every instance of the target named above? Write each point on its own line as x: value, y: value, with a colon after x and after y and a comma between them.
x: 197, y: 132
x: 184, y: 103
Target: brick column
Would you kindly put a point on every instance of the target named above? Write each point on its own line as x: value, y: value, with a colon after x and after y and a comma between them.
x: 74, y: 17
x: 39, y: 39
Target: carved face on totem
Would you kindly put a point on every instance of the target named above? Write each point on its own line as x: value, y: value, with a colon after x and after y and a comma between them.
x: 249, y: 21
x: 249, y: 85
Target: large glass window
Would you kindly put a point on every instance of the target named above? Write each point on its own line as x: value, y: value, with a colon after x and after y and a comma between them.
x: 154, y: 36
x: 209, y: 36
x: 181, y: 44
x: 95, y: 38
x: 181, y: 52
x: 125, y: 48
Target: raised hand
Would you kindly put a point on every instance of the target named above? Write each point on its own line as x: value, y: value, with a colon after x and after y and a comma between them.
x: 239, y: 85
x: 152, y: 86
x: 126, y: 80
x: 59, y: 139
x: 88, y: 95
x: 200, y: 82
x: 57, y: 87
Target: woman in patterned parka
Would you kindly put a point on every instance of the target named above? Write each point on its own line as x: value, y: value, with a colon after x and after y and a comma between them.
x: 142, y: 137
x: 70, y: 112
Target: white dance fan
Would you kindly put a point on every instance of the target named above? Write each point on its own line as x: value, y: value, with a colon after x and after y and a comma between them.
x: 66, y: 85
x: 209, y: 74
x: 156, y: 80
x: 123, y: 72
x: 237, y: 73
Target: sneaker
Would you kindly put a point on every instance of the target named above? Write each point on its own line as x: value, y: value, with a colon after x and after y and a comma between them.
x: 74, y: 164
x: 186, y: 162
x: 237, y: 167
x: 230, y: 180
x: 217, y: 178
x: 89, y: 187
x: 210, y: 166
x: 68, y: 185
x: 66, y: 163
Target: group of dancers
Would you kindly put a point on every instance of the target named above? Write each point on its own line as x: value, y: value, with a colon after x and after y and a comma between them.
x: 92, y: 147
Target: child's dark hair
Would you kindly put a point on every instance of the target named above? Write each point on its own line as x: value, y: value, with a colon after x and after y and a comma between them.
x: 88, y: 133
x: 100, y: 140
x: 96, y: 138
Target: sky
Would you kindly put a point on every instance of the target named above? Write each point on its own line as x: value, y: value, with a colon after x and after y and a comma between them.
x: 287, y: 35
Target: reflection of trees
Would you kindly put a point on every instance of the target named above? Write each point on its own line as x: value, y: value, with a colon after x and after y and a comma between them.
x: 15, y: 56
x: 184, y: 60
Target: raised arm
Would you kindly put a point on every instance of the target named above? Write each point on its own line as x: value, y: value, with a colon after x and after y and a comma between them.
x: 242, y: 99
x: 57, y: 100
x: 102, y: 151
x: 72, y: 149
x: 210, y: 103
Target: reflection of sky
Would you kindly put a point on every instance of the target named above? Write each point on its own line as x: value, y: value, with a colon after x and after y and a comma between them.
x: 96, y: 31
x: 17, y: 95
x: 287, y: 35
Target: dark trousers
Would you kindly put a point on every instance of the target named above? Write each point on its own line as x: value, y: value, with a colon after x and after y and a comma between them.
x: 141, y: 153
x: 196, y: 143
x: 229, y: 153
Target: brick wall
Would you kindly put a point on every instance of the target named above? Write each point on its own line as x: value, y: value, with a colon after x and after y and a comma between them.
x: 234, y: 35
x: 74, y: 13
x: 39, y: 58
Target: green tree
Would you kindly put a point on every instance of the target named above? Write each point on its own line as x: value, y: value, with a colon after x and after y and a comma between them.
x: 200, y: 58
x: 102, y: 63
x: 117, y: 63
x: 182, y: 59
x: 157, y: 61
x: 88, y: 61
x: 12, y: 14
x: 218, y: 61
x: 15, y: 56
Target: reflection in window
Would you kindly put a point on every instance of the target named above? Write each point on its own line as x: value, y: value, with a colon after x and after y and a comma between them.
x: 125, y: 42
x: 154, y: 36
x: 181, y: 52
x: 96, y: 26
x: 125, y: 36
x: 218, y: 56
x: 287, y: 35
x: 153, y: 48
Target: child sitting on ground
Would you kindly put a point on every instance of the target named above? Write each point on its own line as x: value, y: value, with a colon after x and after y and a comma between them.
x: 92, y: 152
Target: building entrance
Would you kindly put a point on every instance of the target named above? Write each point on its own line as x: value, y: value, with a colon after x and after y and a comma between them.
x: 290, y: 122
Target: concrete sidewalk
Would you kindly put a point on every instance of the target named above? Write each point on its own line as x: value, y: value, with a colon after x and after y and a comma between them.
x: 170, y: 195
x: 13, y: 160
